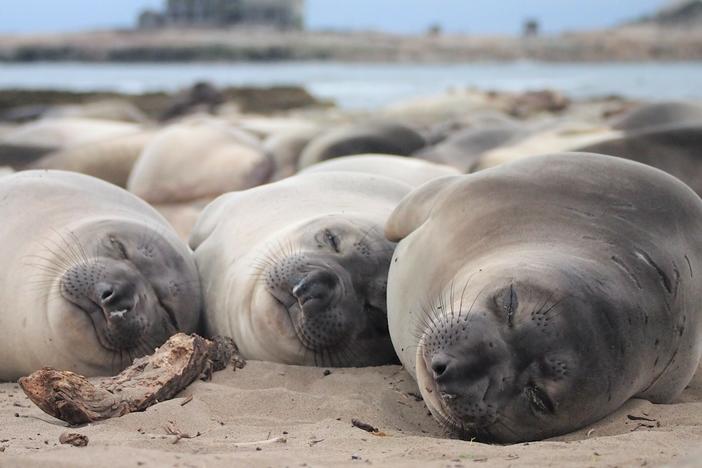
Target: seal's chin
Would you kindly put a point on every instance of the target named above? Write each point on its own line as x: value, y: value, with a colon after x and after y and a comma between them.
x: 115, y: 333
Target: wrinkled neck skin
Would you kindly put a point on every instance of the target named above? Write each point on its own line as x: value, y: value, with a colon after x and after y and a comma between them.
x: 532, y: 343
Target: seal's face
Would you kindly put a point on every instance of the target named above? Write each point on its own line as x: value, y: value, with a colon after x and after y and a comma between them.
x: 130, y: 282
x: 329, y: 278
x: 514, y: 361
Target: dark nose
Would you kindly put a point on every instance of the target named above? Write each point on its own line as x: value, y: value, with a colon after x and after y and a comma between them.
x: 115, y: 297
x: 318, y: 287
x: 440, y: 363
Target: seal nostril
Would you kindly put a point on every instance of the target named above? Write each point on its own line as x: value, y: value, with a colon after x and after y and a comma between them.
x: 106, y: 295
x: 299, y: 289
x: 439, y: 364
x: 318, y: 285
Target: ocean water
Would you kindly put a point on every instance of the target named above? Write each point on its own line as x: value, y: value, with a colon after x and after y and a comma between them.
x: 369, y: 86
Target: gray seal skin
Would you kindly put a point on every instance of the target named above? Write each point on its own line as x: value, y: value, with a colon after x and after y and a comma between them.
x: 660, y: 114
x: 532, y: 299
x: 464, y: 149
x: 673, y: 149
x: 370, y: 137
x: 410, y: 171
x: 111, y: 159
x: 94, y: 276
x: 296, y: 271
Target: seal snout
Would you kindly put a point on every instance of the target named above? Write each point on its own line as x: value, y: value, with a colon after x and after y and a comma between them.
x: 116, y: 298
x: 439, y: 365
x: 109, y: 292
x: 461, y: 370
x: 315, y: 290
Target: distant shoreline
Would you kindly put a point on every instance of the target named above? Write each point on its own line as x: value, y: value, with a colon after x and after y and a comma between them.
x: 630, y: 44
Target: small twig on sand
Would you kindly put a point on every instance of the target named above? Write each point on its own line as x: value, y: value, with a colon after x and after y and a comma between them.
x: 187, y: 400
x: 639, y: 418
x: 639, y: 426
x: 275, y: 440
x: 364, y: 426
x: 172, y: 430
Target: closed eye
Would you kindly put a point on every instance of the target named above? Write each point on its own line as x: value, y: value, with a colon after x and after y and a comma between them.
x: 119, y: 246
x: 332, y: 240
x: 539, y: 399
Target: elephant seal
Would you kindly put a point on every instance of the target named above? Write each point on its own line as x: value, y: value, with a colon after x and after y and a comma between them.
x: 111, y: 160
x: 107, y: 109
x: 673, y: 149
x: 64, y: 132
x: 370, y: 137
x: 535, y: 298
x: 660, y: 114
x: 199, y: 159
x: 285, y: 149
x: 413, y: 172
x: 464, y: 149
x: 97, y: 276
x: 295, y: 271
x: 561, y: 137
x: 27, y: 143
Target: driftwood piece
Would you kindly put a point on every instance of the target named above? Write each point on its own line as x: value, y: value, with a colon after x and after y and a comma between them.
x: 149, y: 380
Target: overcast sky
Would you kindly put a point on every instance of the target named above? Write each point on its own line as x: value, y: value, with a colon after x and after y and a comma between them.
x: 406, y: 16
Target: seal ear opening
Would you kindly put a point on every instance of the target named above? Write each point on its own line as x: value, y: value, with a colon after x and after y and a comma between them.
x: 416, y: 207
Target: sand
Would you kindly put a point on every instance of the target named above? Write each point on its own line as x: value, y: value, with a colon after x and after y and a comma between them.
x: 313, y: 412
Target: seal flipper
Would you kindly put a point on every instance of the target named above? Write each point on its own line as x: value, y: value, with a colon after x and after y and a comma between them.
x: 416, y: 207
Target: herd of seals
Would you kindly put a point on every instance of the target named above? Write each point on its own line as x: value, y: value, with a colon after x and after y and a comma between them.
x: 531, y: 276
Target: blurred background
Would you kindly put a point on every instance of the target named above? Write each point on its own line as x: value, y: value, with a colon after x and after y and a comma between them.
x: 359, y: 55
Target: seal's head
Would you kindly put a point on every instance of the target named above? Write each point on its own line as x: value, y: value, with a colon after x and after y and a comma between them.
x: 123, y: 288
x: 325, y: 282
x: 520, y: 353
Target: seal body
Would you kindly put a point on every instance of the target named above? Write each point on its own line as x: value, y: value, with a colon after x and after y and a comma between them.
x: 661, y: 114
x: 28, y: 143
x: 95, y: 277
x: 674, y: 149
x: 198, y: 160
x: 285, y: 149
x: 464, y: 149
x: 535, y: 298
x: 410, y: 171
x: 111, y: 159
x: 371, y: 137
x: 295, y: 271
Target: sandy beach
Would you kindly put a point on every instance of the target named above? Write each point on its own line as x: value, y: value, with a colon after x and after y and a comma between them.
x: 312, y: 412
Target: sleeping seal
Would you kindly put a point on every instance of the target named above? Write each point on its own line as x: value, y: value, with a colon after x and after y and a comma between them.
x: 368, y: 137
x: 111, y: 159
x: 535, y: 298
x: 295, y: 271
x: 660, y: 114
x: 199, y: 159
x: 411, y: 171
x: 93, y: 276
x: 464, y: 149
x: 673, y: 149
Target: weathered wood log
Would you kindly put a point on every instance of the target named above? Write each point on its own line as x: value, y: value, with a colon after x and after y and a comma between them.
x: 149, y: 380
